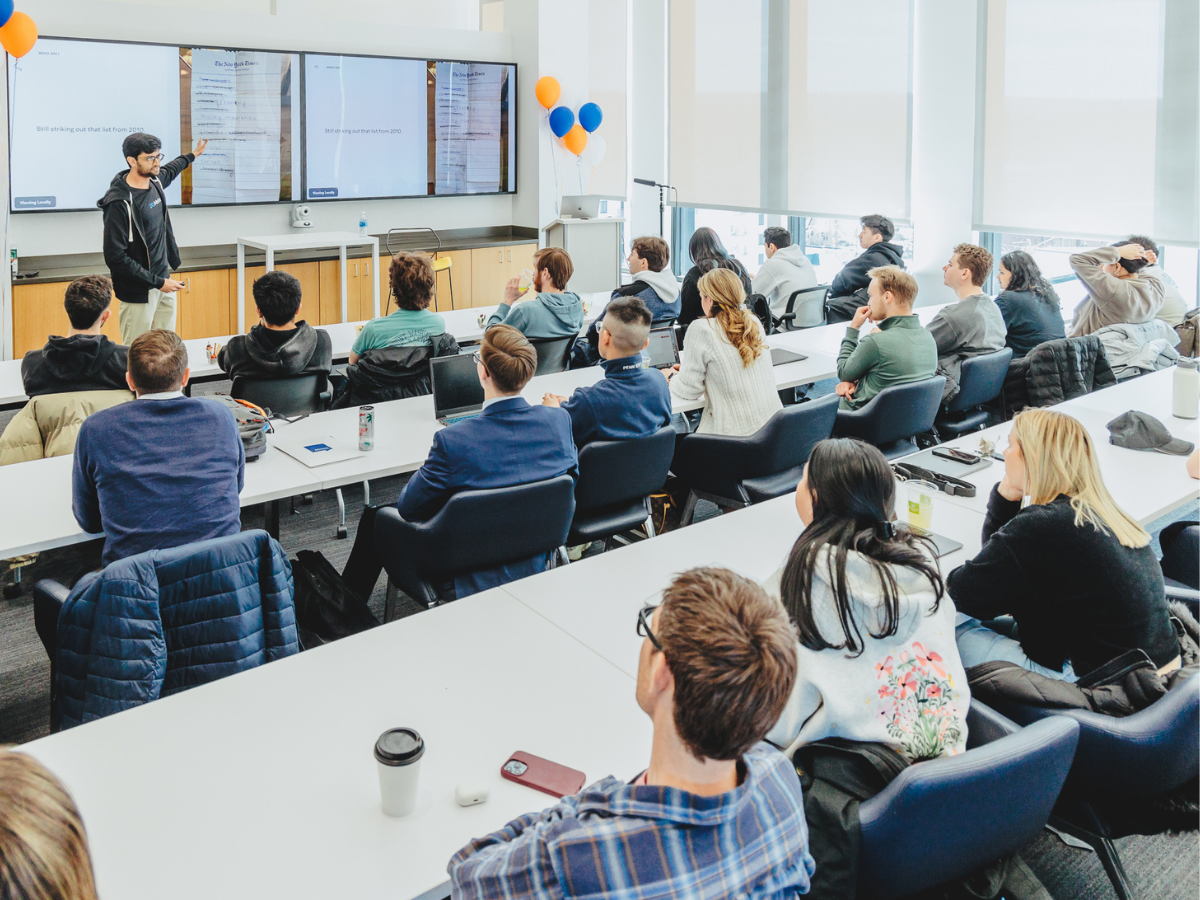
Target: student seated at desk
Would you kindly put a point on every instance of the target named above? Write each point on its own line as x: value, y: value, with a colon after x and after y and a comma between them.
x: 971, y: 327
x: 164, y: 470
x: 1174, y: 307
x: 412, y: 324
x: 717, y: 813
x: 875, y: 238
x: 727, y: 360
x: 1120, y: 289
x: 899, y: 352
x: 278, y: 346
x: 43, y: 844
x: 553, y: 311
x: 84, y: 360
x: 786, y: 270
x: 509, y: 443
x: 631, y: 401
x: 1027, y: 301
x: 707, y: 254
x: 1074, y: 571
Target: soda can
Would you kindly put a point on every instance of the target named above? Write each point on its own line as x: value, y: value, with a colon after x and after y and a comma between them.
x: 366, y: 428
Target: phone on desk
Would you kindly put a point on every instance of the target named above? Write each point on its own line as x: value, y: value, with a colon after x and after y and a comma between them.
x: 542, y: 775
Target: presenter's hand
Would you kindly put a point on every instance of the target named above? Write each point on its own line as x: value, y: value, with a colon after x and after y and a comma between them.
x: 512, y: 290
x: 846, y: 388
x: 555, y: 400
x: 860, y: 316
x: 200, y: 147
x: 170, y: 286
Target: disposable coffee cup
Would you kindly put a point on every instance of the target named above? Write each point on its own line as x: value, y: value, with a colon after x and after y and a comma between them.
x: 398, y: 753
x: 920, y: 503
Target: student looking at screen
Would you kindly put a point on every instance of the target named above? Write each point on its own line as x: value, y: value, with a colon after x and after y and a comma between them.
x: 717, y: 663
x: 84, y: 360
x: 972, y: 326
x: 707, y: 253
x: 278, y: 346
x: 786, y: 270
x: 875, y: 238
x: 553, y: 312
x: 413, y: 324
x: 1027, y: 301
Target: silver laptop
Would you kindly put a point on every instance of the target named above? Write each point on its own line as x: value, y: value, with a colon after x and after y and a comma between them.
x: 781, y: 357
x: 663, y: 349
x: 457, y: 393
x: 581, y: 206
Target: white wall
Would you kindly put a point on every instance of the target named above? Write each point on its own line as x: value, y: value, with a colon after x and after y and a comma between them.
x: 648, y: 130
x: 386, y: 29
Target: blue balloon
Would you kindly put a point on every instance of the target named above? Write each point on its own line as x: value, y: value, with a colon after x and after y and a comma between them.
x: 561, y: 119
x: 6, y: 11
x: 590, y: 117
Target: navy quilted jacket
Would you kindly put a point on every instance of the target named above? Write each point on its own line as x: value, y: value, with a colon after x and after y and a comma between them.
x: 163, y: 621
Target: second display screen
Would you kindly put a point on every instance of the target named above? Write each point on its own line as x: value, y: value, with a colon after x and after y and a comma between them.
x: 384, y: 127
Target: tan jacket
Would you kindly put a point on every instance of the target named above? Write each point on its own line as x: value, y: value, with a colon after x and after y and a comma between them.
x: 1112, y: 300
x: 49, y: 424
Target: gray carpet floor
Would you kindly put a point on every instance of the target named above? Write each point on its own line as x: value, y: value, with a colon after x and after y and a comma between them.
x: 1161, y: 867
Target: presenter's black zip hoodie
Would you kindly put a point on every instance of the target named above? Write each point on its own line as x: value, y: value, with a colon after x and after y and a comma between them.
x: 130, y: 229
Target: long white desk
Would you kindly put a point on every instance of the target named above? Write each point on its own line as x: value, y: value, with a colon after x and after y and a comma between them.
x: 264, y: 784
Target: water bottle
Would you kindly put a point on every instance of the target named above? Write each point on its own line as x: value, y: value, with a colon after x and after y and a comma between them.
x: 362, y: 222
x: 1185, y: 395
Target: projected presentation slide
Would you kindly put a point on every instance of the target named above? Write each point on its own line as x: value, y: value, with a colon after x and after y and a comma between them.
x: 71, y: 103
x: 384, y: 127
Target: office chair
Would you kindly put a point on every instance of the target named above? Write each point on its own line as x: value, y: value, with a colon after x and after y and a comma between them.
x: 474, y: 530
x: 553, y: 354
x: 805, y: 309
x: 891, y: 418
x: 734, y: 472
x: 981, y: 380
x: 616, y: 479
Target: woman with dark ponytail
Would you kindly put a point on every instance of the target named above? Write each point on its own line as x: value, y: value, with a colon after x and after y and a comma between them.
x: 1031, y: 308
x: 877, y: 657
x: 707, y: 253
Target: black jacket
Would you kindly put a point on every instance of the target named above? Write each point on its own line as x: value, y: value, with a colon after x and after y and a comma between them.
x: 125, y: 251
x: 392, y: 373
x: 1056, y: 371
x: 854, y: 276
x: 689, y: 294
x: 308, y: 351
x: 82, y: 362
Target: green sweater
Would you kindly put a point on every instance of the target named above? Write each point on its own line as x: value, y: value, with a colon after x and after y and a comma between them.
x: 900, y: 352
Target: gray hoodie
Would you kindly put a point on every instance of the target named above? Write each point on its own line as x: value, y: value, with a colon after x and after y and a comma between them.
x: 788, y: 271
x: 544, y: 317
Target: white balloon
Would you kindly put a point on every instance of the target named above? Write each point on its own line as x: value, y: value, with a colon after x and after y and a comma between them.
x: 593, y: 153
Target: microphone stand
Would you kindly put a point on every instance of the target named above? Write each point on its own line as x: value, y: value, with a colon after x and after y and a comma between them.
x: 662, y: 201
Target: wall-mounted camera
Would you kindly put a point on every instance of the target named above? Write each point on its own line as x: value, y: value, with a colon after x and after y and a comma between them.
x: 300, y: 216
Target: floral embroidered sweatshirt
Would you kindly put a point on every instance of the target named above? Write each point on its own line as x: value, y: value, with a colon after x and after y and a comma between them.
x: 908, y: 690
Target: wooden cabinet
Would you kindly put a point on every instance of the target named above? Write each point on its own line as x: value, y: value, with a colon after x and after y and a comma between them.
x: 203, y: 307
x: 492, y: 267
x: 360, y: 277
x: 309, y: 277
x: 460, y: 272
x: 38, y: 313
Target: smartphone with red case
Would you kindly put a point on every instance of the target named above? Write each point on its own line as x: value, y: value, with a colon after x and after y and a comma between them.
x: 542, y: 775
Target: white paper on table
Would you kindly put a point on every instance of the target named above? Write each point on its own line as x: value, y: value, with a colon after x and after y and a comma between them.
x: 315, y: 449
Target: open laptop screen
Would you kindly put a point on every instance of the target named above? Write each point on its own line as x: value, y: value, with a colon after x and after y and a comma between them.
x: 456, y: 387
x: 662, y: 351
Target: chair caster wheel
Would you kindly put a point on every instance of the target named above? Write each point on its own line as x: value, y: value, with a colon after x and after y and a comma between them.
x: 342, y: 532
x: 12, y: 591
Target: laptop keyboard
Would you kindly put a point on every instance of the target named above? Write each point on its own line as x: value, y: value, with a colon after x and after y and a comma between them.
x: 450, y: 420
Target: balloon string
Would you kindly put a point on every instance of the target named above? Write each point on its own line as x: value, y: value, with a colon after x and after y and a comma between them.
x: 554, y: 162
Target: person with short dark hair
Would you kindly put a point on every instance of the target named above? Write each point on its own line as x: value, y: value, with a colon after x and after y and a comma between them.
x: 278, y: 346
x: 553, y: 311
x: 875, y: 238
x: 1027, y: 301
x: 84, y: 360
x: 1174, y: 307
x: 631, y: 401
x: 707, y: 253
x: 717, y: 664
x: 971, y: 327
x: 509, y: 443
x: 139, y: 243
x: 786, y: 271
x: 413, y: 324
x: 1120, y: 291
x: 164, y: 470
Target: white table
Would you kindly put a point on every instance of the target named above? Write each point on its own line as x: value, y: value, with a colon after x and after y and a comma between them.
x: 263, y: 784
x: 305, y: 240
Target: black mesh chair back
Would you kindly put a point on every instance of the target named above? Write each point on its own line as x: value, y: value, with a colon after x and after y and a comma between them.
x: 553, y: 354
x: 294, y: 395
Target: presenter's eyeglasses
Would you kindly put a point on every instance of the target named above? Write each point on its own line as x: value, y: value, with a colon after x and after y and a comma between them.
x: 643, y: 627
x: 158, y: 157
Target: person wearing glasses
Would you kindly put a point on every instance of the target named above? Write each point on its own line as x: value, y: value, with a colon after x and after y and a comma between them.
x: 139, y: 244
x: 717, y: 813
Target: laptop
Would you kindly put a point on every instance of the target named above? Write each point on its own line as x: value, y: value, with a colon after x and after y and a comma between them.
x: 780, y: 357
x: 580, y: 206
x: 663, y: 349
x: 457, y: 393
x: 942, y: 545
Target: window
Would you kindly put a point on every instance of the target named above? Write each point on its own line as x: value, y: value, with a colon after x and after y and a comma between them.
x: 831, y: 243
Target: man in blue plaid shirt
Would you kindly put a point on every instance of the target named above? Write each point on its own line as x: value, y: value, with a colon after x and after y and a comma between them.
x: 718, y: 813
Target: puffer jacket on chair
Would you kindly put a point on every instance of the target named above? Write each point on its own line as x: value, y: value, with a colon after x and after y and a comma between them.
x: 49, y: 423
x: 167, y: 620
x: 1056, y: 371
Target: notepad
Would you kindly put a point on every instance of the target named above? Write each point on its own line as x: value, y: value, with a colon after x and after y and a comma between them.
x: 315, y: 449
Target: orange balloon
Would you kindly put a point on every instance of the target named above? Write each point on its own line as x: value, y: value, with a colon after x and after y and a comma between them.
x: 547, y: 90
x: 19, y: 34
x: 575, y: 139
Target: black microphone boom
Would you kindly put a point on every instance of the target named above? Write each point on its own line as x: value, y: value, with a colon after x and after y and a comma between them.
x: 647, y: 182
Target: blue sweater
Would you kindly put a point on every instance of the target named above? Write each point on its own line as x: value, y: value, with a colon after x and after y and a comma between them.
x: 630, y: 402
x: 154, y: 474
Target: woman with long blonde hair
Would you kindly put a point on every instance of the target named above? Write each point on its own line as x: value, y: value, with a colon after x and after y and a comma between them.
x: 727, y: 360
x: 43, y: 845
x: 1073, y: 570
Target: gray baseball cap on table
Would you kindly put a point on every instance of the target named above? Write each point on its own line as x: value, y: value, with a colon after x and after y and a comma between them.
x: 1138, y: 431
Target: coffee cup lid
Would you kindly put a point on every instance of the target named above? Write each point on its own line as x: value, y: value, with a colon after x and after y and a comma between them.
x: 399, y: 747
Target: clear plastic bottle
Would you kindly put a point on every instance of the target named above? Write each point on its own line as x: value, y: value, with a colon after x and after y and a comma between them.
x: 1185, y: 393
x: 362, y: 222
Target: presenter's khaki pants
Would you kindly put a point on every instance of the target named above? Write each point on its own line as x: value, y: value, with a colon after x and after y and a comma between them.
x: 137, y: 318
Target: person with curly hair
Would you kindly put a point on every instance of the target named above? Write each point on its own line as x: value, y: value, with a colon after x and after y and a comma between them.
x: 412, y: 324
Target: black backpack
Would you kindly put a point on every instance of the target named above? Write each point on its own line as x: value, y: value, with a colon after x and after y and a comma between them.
x: 326, y: 607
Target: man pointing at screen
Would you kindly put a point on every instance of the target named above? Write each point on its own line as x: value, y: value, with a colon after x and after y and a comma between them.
x: 139, y: 245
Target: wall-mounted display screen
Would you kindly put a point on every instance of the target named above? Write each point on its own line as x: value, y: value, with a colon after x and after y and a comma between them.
x: 72, y: 102
x: 386, y: 127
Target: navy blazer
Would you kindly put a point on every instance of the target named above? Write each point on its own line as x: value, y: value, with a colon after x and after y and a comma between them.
x: 629, y: 402
x: 509, y: 443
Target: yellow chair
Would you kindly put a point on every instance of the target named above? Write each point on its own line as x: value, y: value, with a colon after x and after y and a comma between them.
x: 443, y: 264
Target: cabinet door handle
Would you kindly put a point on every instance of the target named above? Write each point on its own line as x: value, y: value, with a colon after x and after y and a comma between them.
x: 510, y: 256
x: 356, y: 270
x: 366, y: 268
x: 189, y: 285
x: 501, y: 259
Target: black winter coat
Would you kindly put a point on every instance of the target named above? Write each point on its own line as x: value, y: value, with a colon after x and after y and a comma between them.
x: 854, y: 276
x: 1056, y: 371
x: 393, y: 373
